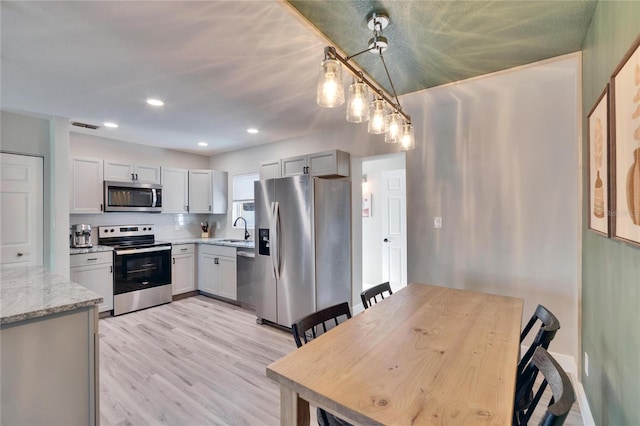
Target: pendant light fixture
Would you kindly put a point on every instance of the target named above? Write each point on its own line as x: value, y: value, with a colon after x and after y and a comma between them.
x: 358, y: 103
x: 383, y: 114
x: 330, y: 88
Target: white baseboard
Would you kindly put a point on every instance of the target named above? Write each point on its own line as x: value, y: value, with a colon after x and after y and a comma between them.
x: 357, y: 308
x: 585, y: 410
x: 568, y: 364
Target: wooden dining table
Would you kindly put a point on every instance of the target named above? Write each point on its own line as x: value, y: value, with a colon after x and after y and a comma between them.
x: 426, y: 355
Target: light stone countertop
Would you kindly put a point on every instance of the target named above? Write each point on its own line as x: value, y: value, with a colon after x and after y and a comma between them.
x: 94, y: 249
x: 33, y: 292
x: 212, y: 241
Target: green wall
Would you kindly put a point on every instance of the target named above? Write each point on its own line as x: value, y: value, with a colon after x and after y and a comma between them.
x: 611, y: 269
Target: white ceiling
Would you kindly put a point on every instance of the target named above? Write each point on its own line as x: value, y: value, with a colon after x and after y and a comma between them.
x: 220, y: 67
x: 225, y: 66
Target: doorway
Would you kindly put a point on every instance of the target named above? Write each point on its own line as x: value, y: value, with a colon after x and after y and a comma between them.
x: 384, y: 234
x: 22, y: 210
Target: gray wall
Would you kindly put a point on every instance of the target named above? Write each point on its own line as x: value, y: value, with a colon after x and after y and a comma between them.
x: 611, y: 270
x: 498, y: 158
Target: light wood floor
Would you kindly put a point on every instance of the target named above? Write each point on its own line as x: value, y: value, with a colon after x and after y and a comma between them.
x: 195, y: 361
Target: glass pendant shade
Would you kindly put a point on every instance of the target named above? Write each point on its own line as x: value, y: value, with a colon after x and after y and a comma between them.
x: 407, y: 139
x: 330, y: 92
x: 394, y: 124
x: 358, y: 103
x: 377, y: 113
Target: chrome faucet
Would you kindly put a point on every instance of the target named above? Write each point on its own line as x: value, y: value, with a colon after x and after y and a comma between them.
x: 246, y: 233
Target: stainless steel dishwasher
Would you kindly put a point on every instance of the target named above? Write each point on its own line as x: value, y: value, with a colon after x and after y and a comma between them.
x: 246, y: 280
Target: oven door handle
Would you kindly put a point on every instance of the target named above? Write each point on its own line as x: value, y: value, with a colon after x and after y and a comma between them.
x: 142, y: 250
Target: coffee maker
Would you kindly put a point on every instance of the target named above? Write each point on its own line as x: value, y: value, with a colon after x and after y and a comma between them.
x: 81, y: 236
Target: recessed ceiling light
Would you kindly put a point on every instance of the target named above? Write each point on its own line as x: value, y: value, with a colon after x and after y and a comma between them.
x: 155, y: 102
x: 110, y: 124
x: 252, y: 131
x: 203, y: 144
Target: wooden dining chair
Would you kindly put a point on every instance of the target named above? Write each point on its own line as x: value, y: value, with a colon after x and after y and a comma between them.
x: 372, y: 293
x: 562, y: 397
x: 308, y: 328
x: 548, y: 329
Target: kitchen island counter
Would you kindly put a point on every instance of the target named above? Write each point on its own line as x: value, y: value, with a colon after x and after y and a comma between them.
x: 32, y: 292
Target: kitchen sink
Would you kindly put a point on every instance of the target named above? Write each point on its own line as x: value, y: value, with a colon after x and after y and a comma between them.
x: 232, y: 240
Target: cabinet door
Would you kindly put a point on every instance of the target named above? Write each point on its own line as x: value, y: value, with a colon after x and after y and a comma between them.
x: 147, y: 174
x: 207, y: 273
x: 220, y: 188
x: 329, y: 163
x: 200, y: 192
x: 86, y: 185
x: 175, y: 190
x: 294, y: 166
x: 227, y: 278
x: 118, y: 171
x: 270, y: 170
x: 98, y: 278
x: 183, y: 273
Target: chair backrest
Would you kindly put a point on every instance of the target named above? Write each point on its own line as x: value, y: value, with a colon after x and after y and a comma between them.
x: 372, y: 293
x: 308, y: 328
x: 562, y: 398
x: 550, y: 325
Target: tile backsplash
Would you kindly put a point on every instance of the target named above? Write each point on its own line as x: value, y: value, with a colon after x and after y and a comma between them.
x: 168, y: 226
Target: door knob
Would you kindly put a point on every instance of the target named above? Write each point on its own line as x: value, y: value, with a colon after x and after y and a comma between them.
x: 386, y: 240
x: 20, y: 254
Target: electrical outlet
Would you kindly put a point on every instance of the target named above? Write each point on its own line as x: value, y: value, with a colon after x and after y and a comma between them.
x: 437, y: 222
x: 586, y: 364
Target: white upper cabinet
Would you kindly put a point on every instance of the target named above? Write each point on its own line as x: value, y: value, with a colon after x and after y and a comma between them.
x: 294, y: 166
x: 208, y: 191
x: 86, y: 185
x: 130, y: 172
x: 334, y: 163
x: 175, y: 190
x: 270, y: 169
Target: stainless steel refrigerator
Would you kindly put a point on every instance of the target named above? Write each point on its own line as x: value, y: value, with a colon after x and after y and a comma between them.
x: 303, y: 247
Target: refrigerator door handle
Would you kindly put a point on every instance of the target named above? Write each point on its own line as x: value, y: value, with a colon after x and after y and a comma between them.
x: 273, y: 237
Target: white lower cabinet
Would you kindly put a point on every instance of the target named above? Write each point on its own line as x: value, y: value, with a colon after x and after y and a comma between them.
x: 95, y: 272
x: 217, y: 271
x: 183, y: 268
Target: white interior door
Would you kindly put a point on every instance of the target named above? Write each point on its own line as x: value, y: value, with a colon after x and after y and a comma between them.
x: 394, y: 228
x: 21, y: 207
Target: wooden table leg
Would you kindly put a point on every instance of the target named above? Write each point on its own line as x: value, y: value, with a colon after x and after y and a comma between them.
x: 293, y: 409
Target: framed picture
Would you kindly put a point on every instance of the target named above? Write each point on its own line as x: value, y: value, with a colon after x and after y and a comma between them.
x: 366, y: 204
x: 598, y: 136
x: 625, y: 147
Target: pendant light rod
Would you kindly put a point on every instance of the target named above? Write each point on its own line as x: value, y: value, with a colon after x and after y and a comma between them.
x: 331, y: 53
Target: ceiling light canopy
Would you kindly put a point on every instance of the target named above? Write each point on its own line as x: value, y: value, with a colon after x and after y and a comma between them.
x: 252, y: 130
x: 383, y: 114
x: 203, y: 144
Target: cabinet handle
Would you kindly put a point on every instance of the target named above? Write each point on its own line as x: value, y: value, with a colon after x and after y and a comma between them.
x: 100, y: 207
x: 216, y: 261
x: 186, y: 208
x: 133, y: 176
x: 209, y: 208
x: 20, y: 254
x: 92, y: 259
x: 184, y: 249
x: 111, y: 269
x: 174, y: 260
x: 136, y: 176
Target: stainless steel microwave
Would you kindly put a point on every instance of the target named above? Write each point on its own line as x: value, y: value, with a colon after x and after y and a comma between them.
x: 132, y: 197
